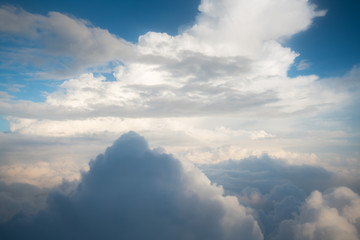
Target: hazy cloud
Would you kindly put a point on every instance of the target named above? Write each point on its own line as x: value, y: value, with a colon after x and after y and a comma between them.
x: 20, y: 198
x: 263, y: 173
x: 303, y: 65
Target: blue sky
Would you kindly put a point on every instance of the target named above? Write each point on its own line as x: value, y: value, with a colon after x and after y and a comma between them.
x: 234, y: 90
x: 331, y: 45
x: 128, y: 19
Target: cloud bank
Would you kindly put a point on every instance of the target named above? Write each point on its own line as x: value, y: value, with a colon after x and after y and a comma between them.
x: 133, y: 192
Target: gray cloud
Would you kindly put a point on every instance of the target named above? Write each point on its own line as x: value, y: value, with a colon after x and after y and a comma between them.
x: 58, y: 44
x: 275, y: 190
x: 264, y: 173
x: 21, y: 198
x: 131, y: 192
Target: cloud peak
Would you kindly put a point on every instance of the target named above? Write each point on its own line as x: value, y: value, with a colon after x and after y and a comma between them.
x: 132, y: 192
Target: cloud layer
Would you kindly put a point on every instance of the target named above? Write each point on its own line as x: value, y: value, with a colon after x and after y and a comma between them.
x: 134, y: 192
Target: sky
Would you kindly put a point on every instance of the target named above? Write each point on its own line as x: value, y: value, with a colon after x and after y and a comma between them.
x: 211, y: 119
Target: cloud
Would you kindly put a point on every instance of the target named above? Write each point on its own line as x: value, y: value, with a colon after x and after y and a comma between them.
x: 58, y: 45
x: 303, y: 65
x: 276, y: 190
x: 220, y: 65
x: 21, y: 198
x: 265, y: 172
x: 260, y: 135
x: 332, y: 215
x: 133, y: 192
x: 219, y: 69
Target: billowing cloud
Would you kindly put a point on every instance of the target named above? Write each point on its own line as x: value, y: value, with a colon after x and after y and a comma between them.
x: 220, y: 73
x: 220, y: 65
x: 276, y: 191
x: 332, y: 215
x: 209, y: 89
x: 133, y: 192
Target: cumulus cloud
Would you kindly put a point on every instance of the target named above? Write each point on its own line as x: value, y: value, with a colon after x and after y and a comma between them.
x: 133, y: 192
x: 221, y: 69
x: 215, y: 91
x: 220, y: 65
x: 331, y: 215
x: 276, y: 190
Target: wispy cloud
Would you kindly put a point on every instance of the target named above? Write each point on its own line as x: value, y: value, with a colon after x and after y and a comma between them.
x: 303, y: 65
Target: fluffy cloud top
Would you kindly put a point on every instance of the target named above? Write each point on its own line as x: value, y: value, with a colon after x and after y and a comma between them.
x: 333, y: 215
x: 277, y: 191
x: 133, y: 192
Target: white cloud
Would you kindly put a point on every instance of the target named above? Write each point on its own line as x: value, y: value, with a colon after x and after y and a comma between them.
x: 221, y: 51
x: 202, y: 94
x: 332, y: 215
x: 260, y: 135
x: 218, y: 90
x: 220, y: 65
x: 303, y: 65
